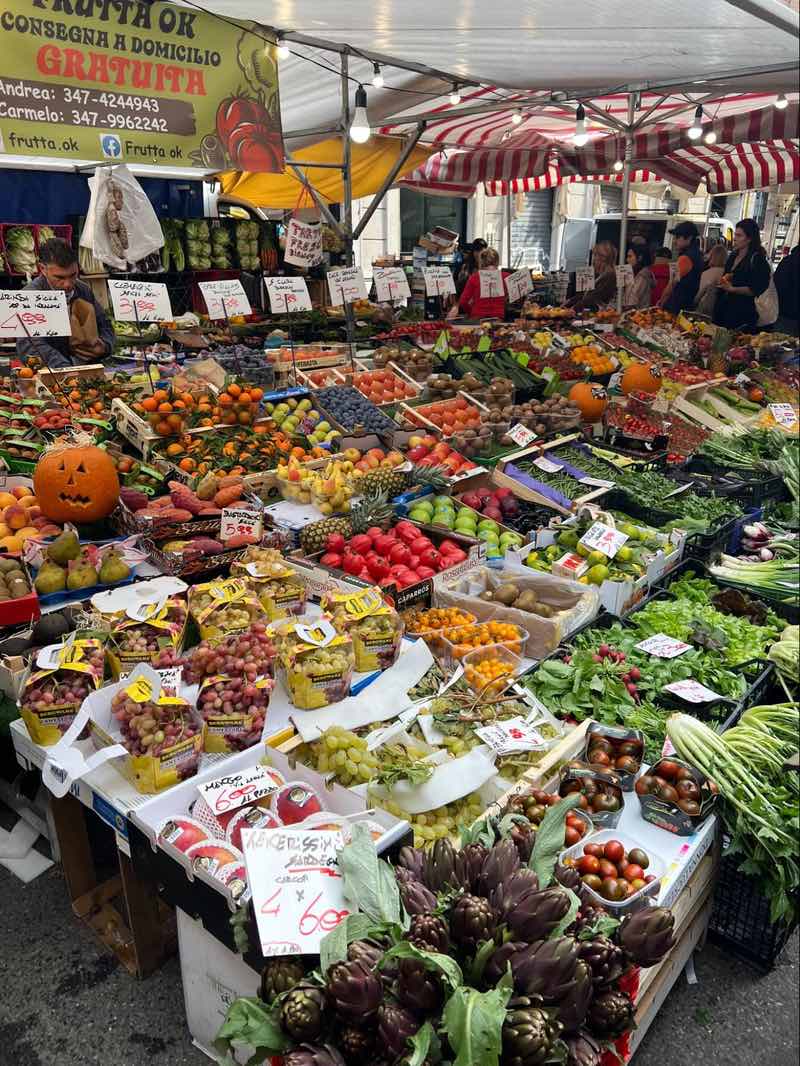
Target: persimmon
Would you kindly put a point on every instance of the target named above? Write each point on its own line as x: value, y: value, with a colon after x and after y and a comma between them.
x: 233, y: 389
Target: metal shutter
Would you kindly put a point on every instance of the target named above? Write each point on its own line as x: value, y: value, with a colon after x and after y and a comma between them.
x: 531, y: 228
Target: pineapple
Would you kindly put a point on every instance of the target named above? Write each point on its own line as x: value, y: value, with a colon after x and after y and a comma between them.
x: 373, y: 509
x: 393, y: 482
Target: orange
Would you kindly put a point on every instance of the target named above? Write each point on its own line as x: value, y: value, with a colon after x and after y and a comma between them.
x: 160, y: 395
x: 225, y: 399
x: 25, y: 372
x: 233, y: 389
x: 150, y: 403
x: 187, y: 464
x: 164, y: 408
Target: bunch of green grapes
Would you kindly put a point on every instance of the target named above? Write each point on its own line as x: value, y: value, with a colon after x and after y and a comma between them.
x: 341, y: 753
x: 437, y: 824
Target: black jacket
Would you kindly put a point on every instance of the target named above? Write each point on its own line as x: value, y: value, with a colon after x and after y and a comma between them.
x: 736, y: 310
x: 684, y: 291
x: 787, y: 282
x: 55, y: 351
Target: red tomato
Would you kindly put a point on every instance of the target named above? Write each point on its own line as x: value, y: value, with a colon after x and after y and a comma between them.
x: 632, y: 872
x: 588, y: 864
x: 571, y: 836
x: 608, y: 869
x: 253, y: 146
x: 235, y: 110
x: 668, y: 769
x: 613, y: 850
x: 594, y: 849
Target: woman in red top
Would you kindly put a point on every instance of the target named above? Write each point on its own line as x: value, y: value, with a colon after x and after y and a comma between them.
x: 472, y: 304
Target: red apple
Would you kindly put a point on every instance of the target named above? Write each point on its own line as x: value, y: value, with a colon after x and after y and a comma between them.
x: 493, y: 512
x: 500, y: 493
x: 417, y: 454
x: 383, y: 544
x: 360, y: 543
x: 473, y: 500
x: 335, y: 543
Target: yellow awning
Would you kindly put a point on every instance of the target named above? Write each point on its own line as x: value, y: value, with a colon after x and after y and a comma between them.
x: 370, y: 164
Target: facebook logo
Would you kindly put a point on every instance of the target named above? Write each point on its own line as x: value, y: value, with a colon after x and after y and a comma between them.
x: 111, y: 145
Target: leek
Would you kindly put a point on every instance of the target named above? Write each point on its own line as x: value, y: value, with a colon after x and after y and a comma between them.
x: 779, y: 576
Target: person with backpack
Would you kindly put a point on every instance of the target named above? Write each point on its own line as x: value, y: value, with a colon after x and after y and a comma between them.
x: 681, y: 292
x: 746, y: 279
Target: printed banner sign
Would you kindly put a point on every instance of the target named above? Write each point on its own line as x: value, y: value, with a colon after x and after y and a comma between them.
x: 138, y: 82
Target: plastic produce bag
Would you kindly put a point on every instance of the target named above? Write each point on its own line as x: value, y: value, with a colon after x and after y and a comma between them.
x: 131, y: 209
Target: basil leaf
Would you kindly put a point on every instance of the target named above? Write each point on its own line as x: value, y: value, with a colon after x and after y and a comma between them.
x: 249, y: 1021
x: 473, y: 1022
x: 369, y: 881
x: 333, y: 947
x: 444, y: 965
x: 549, y: 841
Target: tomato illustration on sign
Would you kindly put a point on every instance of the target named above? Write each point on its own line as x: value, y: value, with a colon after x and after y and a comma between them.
x: 246, y: 131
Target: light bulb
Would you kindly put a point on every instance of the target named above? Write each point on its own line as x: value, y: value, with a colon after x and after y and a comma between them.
x: 581, y: 136
x: 516, y: 118
x: 377, y: 77
x: 282, y: 48
x: 359, y: 128
x: 618, y: 165
x: 781, y: 102
x: 710, y: 137
x: 455, y: 96
x: 695, y: 131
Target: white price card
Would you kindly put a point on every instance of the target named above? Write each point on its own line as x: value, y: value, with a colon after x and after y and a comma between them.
x: 297, y: 889
x: 596, y: 482
x: 518, y: 285
x: 391, y: 284
x: 33, y: 314
x: 584, y: 279
x: 225, y: 298
x: 521, y: 435
x: 287, y: 295
x: 513, y: 735
x: 784, y: 414
x: 673, y: 271
x: 663, y: 647
x: 624, y: 277
x: 491, y: 282
x: 692, y: 691
x: 346, y: 285
x: 602, y: 538
x: 741, y: 379
x: 547, y: 465
x: 143, y: 301
x: 171, y: 678
x: 439, y: 281
x: 241, y: 522
x: 229, y: 792
x: 303, y: 243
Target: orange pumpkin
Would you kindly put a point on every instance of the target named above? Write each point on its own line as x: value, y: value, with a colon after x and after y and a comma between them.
x: 76, y: 484
x: 590, y: 399
x: 641, y: 377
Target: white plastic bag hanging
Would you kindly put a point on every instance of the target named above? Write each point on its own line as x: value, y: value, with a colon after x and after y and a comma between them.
x: 121, y: 225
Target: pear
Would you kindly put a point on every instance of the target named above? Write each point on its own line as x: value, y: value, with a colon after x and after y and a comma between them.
x: 64, y: 548
x: 82, y: 575
x: 114, y: 569
x: 51, y: 578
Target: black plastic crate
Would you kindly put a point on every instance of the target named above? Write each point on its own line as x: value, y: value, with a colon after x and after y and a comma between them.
x: 752, y: 492
x: 740, y: 920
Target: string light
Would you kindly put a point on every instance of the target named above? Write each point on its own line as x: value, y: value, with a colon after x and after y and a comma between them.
x: 516, y: 118
x: 377, y: 77
x: 710, y: 137
x: 455, y: 96
x: 781, y: 102
x: 581, y: 136
x: 282, y: 48
x: 618, y: 165
x: 695, y: 131
x: 360, y: 128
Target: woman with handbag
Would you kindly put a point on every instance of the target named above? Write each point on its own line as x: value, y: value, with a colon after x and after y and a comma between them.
x: 746, y: 280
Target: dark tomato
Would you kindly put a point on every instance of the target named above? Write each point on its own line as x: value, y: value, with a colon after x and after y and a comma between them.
x: 597, y: 757
x: 689, y: 807
x: 602, y: 802
x: 660, y: 781
x: 645, y: 785
x: 632, y: 871
x: 571, y: 836
x: 584, y: 803
x: 539, y: 796
x: 684, y: 774
x: 589, y: 786
x: 594, y: 849
x: 627, y: 764
x: 572, y: 787
x: 575, y: 821
x: 600, y: 744
x: 612, y: 889
x: 641, y: 858
x: 613, y: 850
x: 668, y: 794
x: 588, y: 864
x: 551, y: 800
x: 649, y: 879
x: 630, y: 888
x: 607, y: 869
x: 668, y: 769
x: 630, y: 747
x: 638, y: 883
x: 688, y: 790
x: 593, y: 881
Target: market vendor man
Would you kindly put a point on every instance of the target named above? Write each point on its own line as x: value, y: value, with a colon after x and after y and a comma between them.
x: 92, y: 333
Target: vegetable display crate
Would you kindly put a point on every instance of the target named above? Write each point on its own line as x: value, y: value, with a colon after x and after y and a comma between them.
x: 740, y: 918
x: 748, y: 492
x: 699, y: 545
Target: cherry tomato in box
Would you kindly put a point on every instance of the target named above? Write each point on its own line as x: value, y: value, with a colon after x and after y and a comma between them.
x: 588, y: 864
x: 613, y: 850
x: 608, y: 869
x: 594, y: 849
x: 571, y: 836
x: 668, y: 769
x: 631, y: 872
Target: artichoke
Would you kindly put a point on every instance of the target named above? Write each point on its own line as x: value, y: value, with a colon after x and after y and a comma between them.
x: 279, y: 975
x: 604, y: 958
x: 546, y: 968
x: 501, y: 862
x: 538, y: 914
x: 499, y: 960
x: 417, y: 988
x: 646, y: 935
x: 610, y: 1014
x: 302, y: 1011
x: 411, y: 859
x: 404, y: 876
x: 313, y: 1056
x: 469, y: 863
x: 354, y: 990
x: 529, y: 1034
x: 416, y: 898
x: 367, y: 952
x: 573, y: 1007
x: 429, y: 933
x: 583, y: 1050
x: 438, y: 871
x: 357, y: 1045
x: 523, y: 837
x: 512, y: 893
x: 568, y: 876
x: 471, y: 921
x: 396, y: 1026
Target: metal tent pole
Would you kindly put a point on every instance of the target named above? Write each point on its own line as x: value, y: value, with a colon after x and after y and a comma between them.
x: 626, y: 188
x: 347, y: 182
x: 509, y: 194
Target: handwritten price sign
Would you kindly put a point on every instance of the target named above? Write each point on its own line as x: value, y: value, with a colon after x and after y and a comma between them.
x: 241, y: 522
x: 511, y: 736
x: 439, y: 281
x: 491, y: 282
x: 143, y: 301
x: 584, y: 279
x: 228, y: 793
x: 663, y: 647
x: 296, y: 885
x: 391, y: 283
x: 33, y: 314
x: 346, y: 285
x: 518, y: 285
x: 521, y: 435
x: 602, y: 538
x: 784, y: 414
x: 287, y: 295
x: 692, y: 691
x: 225, y: 298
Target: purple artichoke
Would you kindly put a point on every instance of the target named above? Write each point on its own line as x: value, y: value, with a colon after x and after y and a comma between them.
x: 413, y: 860
x: 303, y: 1012
x: 306, y: 1055
x: 514, y: 892
x: 438, y: 871
x: 418, y: 988
x: 428, y: 932
x: 546, y: 968
x: 367, y: 952
x: 610, y: 1014
x: 646, y: 936
x: 501, y: 862
x: 471, y: 921
x: 499, y: 960
x: 568, y: 876
x: 604, y: 958
x: 538, y: 914
x: 354, y: 990
x: 396, y: 1026
x: 524, y: 838
x: 583, y: 1050
x: 573, y: 1007
x: 529, y: 1034
x: 469, y: 863
x: 279, y: 975
x: 416, y: 898
x: 357, y: 1045
x: 404, y: 876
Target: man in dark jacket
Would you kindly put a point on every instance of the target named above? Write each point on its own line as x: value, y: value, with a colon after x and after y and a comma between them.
x: 787, y: 282
x: 681, y: 292
x: 59, y: 270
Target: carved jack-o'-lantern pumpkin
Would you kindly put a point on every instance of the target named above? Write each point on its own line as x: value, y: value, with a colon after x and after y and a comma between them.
x: 76, y: 484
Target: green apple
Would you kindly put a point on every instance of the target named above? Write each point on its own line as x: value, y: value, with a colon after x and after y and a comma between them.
x: 488, y: 523
x: 488, y: 535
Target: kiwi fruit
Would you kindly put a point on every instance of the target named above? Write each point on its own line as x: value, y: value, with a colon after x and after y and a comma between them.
x: 506, y: 594
x: 7, y: 565
x: 526, y: 601
x: 487, y: 596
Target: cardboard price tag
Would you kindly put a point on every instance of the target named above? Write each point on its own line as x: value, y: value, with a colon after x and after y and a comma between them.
x: 143, y: 301
x: 346, y: 285
x: 784, y: 414
x: 231, y: 791
x: 584, y: 279
x: 491, y: 282
x: 171, y: 678
x: 241, y: 521
x: 596, y: 482
x: 303, y: 243
x: 663, y: 647
x: 602, y: 538
x: 225, y: 298
x: 439, y: 281
x: 521, y: 435
x: 692, y: 691
x: 511, y: 736
x: 391, y: 284
x: 287, y: 295
x: 33, y: 314
x: 296, y: 886
x: 547, y: 465
x: 518, y: 285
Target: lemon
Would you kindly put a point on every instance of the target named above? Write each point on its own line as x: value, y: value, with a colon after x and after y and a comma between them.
x: 631, y: 531
x: 597, y: 575
x: 624, y: 555
x: 584, y: 580
x: 596, y: 557
x: 581, y: 549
